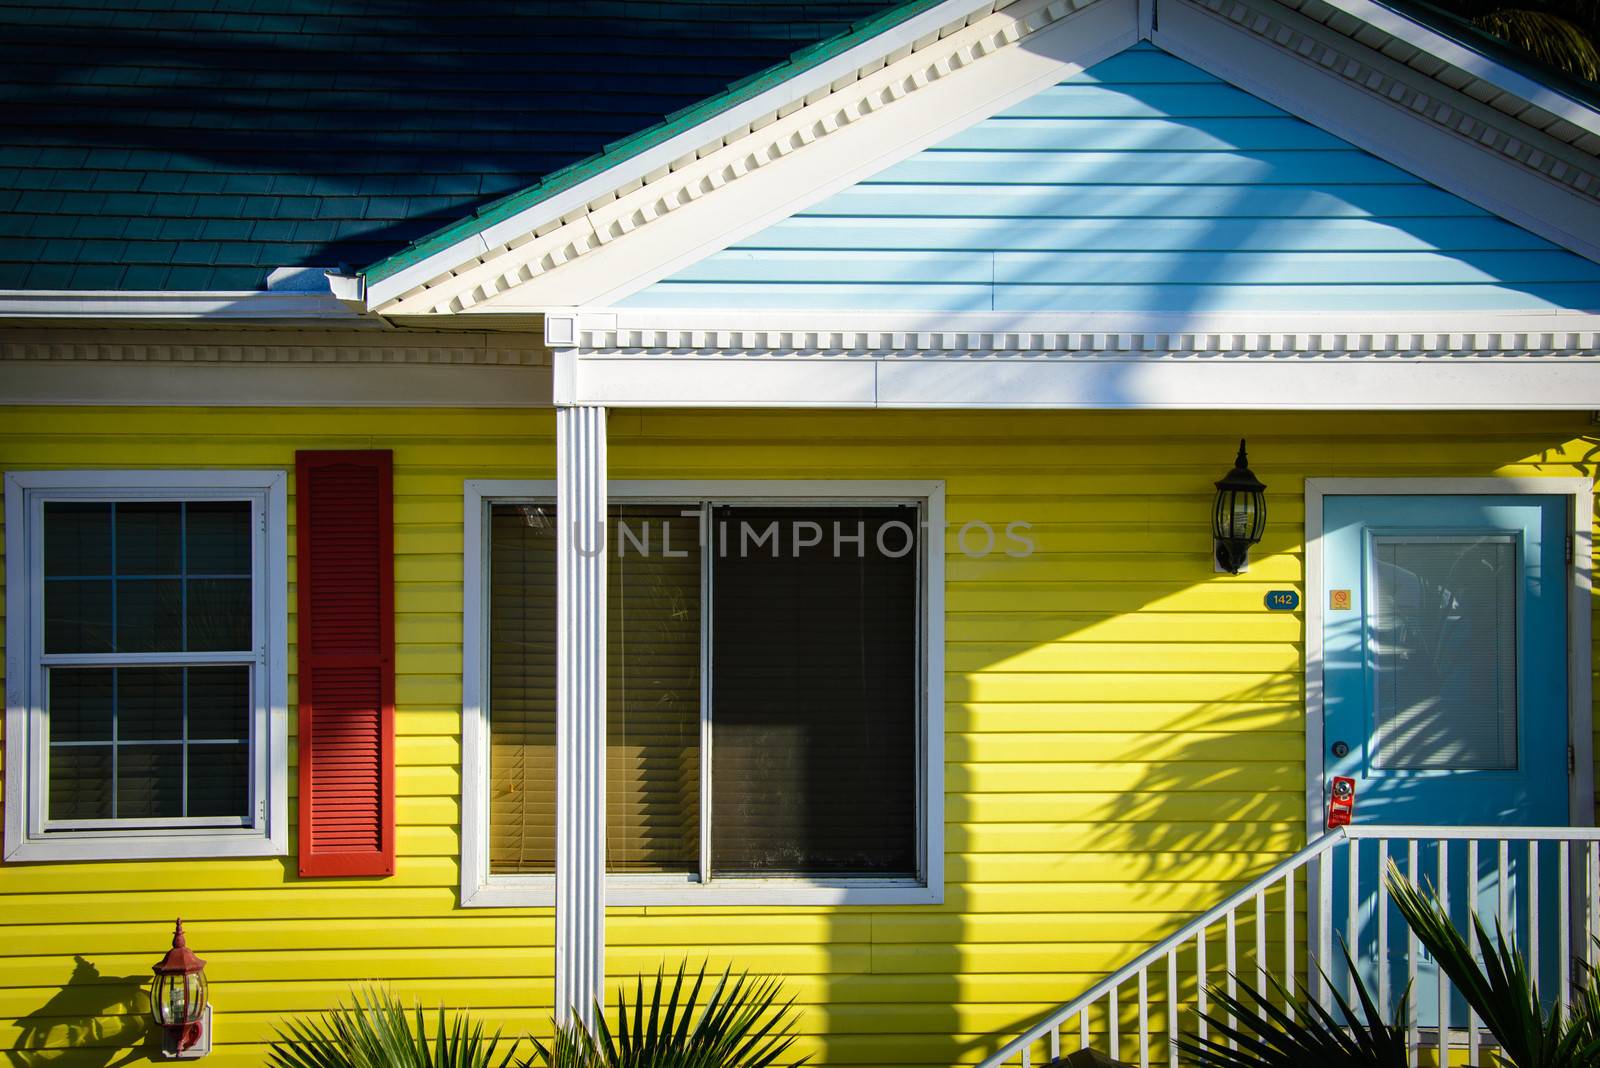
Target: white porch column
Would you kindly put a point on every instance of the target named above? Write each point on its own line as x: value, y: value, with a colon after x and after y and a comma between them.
x: 580, y: 710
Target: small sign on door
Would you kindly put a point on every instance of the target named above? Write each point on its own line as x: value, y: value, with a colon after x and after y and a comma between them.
x: 1339, y: 600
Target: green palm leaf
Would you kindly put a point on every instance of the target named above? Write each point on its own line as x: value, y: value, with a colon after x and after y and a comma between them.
x: 1546, y: 37
x: 1498, y: 987
x: 740, y: 1025
x: 375, y: 1031
x: 1268, y: 1035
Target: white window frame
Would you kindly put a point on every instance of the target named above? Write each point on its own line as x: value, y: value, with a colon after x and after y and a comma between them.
x: 480, y: 889
x: 29, y: 835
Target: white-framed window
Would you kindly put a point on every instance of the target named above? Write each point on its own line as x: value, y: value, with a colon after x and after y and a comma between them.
x: 146, y: 664
x: 774, y: 693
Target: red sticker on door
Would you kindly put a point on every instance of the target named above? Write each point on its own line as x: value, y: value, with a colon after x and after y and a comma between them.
x: 1341, y: 802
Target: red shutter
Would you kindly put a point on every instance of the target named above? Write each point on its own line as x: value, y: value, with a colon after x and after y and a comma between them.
x: 345, y: 540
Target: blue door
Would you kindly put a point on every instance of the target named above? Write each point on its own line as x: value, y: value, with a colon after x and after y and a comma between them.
x: 1445, y: 657
x: 1445, y: 683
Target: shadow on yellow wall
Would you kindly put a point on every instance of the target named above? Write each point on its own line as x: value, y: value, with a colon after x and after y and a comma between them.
x: 93, y: 1021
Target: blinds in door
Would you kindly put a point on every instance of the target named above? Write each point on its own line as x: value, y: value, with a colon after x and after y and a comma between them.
x: 814, y: 654
x: 1444, y: 633
x: 653, y: 683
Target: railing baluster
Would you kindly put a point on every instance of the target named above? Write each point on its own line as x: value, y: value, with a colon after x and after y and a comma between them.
x: 1027, y: 1057
x: 1444, y: 980
x: 1233, y: 973
x: 1202, y: 999
x: 1473, y: 1042
x: 1414, y: 873
x: 1083, y: 1028
x: 1288, y: 942
x: 1564, y: 919
x: 1322, y: 976
x: 1504, y: 888
x: 1590, y: 943
x: 1055, y: 1043
x: 1115, y: 1040
x: 1383, y: 930
x: 1261, y: 943
x: 1352, y: 919
x: 1144, y: 1018
x: 1533, y: 909
x: 1172, y: 1007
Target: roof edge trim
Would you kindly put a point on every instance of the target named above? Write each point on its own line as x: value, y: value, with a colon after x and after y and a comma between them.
x: 658, y: 146
x: 1478, y: 64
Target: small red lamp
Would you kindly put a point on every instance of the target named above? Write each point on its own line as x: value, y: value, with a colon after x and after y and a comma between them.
x: 178, y: 1001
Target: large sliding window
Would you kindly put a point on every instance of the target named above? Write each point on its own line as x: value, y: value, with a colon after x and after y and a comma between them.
x: 767, y: 693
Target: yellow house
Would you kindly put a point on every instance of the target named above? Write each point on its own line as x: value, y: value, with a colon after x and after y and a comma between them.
x: 948, y: 521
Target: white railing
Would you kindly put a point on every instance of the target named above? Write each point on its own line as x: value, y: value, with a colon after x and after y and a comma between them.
x: 1507, y: 863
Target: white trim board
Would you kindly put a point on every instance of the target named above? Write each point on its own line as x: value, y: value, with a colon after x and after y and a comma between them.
x: 267, y: 834
x: 350, y: 385
x: 705, y: 332
x: 479, y: 889
x: 1580, y: 730
x: 1001, y: 380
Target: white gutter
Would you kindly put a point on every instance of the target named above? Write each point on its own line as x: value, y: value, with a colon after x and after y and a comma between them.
x: 790, y: 91
x: 293, y: 293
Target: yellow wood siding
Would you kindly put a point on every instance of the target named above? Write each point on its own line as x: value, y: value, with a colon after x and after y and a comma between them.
x: 1124, y: 728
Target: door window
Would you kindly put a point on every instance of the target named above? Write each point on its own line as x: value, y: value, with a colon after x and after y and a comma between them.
x: 1444, y: 652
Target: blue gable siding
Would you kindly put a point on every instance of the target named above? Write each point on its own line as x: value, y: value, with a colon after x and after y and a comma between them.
x: 1143, y: 184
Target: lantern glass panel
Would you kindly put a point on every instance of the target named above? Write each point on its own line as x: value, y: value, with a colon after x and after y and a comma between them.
x: 179, y: 998
x: 1244, y: 514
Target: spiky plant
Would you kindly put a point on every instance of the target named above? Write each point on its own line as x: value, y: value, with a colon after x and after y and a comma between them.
x: 1268, y: 1035
x: 375, y: 1031
x: 740, y: 1025
x: 1584, y: 1011
x: 1500, y: 988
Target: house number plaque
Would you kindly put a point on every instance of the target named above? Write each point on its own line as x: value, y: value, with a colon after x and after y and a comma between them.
x: 1283, y: 600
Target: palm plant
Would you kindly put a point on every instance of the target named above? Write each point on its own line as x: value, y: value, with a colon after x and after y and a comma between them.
x: 1564, y: 34
x: 1500, y: 988
x: 375, y: 1031
x: 1268, y: 1035
x: 741, y: 1025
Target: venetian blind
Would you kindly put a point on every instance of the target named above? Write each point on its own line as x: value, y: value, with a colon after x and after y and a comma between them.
x: 653, y: 685
x: 814, y: 655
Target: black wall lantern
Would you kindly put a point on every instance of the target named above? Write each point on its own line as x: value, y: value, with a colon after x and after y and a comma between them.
x: 1240, y: 515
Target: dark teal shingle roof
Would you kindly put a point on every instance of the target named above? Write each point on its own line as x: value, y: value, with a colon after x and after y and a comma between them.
x: 198, y: 144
